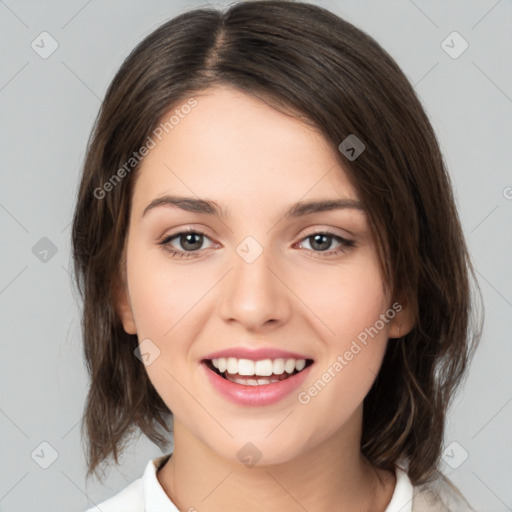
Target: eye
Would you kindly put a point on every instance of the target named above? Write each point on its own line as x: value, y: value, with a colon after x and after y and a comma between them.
x: 190, y: 240
x: 322, y: 241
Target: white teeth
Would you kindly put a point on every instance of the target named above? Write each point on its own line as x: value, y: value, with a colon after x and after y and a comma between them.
x: 232, y: 365
x: 279, y: 366
x: 289, y: 366
x: 300, y: 364
x: 263, y: 367
x: 221, y: 364
x: 245, y: 367
x: 260, y: 368
x: 251, y: 382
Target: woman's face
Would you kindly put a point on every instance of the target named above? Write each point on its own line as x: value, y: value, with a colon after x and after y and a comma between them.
x: 260, y: 282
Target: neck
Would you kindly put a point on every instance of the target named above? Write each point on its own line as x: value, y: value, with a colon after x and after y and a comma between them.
x: 332, y: 476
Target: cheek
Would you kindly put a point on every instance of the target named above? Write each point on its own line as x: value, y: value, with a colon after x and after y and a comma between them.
x: 347, y: 299
x: 160, y: 301
x: 162, y: 293
x: 167, y: 306
x: 351, y: 304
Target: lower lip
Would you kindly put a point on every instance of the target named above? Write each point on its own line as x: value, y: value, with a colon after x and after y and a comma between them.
x: 264, y: 394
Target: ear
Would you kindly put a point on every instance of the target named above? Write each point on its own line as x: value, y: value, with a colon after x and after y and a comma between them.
x: 123, y: 307
x: 403, y: 321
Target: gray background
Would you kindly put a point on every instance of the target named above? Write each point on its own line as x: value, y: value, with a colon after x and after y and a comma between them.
x: 47, y: 110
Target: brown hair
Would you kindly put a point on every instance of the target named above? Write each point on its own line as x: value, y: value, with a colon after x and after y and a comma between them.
x: 307, y: 60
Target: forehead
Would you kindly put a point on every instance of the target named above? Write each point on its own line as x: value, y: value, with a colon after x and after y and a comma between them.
x: 235, y: 148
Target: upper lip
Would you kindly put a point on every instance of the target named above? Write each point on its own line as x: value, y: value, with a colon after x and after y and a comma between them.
x: 255, y: 354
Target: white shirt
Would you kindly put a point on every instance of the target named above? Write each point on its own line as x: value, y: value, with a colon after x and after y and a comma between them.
x: 147, y: 495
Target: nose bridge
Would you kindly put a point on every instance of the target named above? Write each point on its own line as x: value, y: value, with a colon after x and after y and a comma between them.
x: 253, y: 294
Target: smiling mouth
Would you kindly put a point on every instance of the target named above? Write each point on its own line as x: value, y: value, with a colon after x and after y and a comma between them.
x: 256, y: 373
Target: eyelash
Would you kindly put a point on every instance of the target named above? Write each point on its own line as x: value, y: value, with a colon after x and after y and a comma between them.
x: 345, y: 243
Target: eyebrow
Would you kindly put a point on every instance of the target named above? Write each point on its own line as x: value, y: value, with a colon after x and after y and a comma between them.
x: 300, y: 209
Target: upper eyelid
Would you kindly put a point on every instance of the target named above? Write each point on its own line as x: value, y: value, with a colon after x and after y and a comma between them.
x: 202, y: 231
x: 329, y: 231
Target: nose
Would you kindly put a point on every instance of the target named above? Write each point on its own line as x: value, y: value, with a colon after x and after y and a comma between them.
x: 255, y: 295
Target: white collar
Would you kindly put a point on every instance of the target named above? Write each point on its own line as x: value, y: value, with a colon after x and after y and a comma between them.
x: 155, y: 498
x: 401, y: 501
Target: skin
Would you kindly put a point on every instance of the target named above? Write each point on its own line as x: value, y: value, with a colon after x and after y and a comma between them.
x: 255, y: 161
